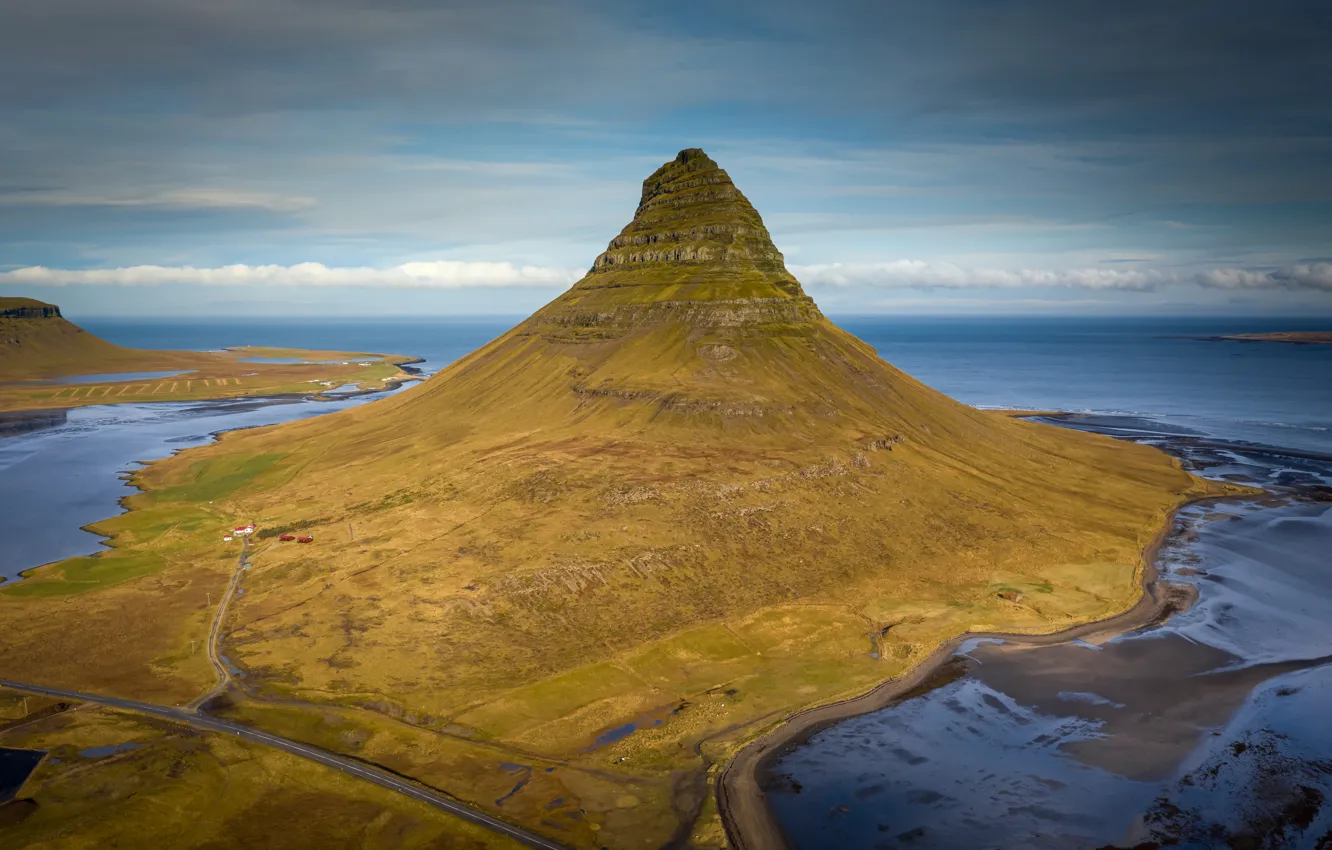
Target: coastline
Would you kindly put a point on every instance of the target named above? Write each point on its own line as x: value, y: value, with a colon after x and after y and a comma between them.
x: 750, y: 823
x: 107, y: 541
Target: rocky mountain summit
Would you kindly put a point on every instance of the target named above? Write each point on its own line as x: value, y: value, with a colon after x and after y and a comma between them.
x: 691, y: 317
x: 692, y: 214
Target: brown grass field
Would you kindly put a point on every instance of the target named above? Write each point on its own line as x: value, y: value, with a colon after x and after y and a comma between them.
x: 113, y: 779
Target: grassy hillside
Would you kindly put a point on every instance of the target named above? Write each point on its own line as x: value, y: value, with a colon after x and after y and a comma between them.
x: 670, y: 508
x: 37, y: 342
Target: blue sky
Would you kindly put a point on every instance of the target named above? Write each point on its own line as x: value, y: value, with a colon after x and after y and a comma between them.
x: 181, y: 157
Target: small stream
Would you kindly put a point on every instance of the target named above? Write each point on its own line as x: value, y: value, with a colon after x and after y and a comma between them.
x: 1213, y: 729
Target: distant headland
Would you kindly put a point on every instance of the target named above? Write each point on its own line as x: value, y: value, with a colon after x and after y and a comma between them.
x: 47, y: 361
x: 1296, y: 337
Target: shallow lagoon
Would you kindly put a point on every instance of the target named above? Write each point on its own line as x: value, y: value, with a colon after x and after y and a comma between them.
x: 108, y: 377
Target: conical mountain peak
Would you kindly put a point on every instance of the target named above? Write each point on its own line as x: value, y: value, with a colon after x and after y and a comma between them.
x: 690, y: 312
x: 688, y: 161
x: 694, y: 226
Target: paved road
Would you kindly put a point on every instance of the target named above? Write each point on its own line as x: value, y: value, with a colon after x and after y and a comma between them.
x: 324, y: 757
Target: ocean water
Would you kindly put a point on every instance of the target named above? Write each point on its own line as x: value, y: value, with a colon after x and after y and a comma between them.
x: 1271, y: 393
x: 438, y: 341
x: 1163, y: 368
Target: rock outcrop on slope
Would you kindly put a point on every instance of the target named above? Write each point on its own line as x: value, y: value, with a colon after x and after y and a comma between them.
x: 27, y: 308
x: 691, y: 214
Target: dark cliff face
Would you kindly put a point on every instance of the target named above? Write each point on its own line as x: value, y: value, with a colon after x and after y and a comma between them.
x: 36, y: 311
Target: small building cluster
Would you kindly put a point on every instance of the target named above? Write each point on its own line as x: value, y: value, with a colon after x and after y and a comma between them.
x: 239, y: 531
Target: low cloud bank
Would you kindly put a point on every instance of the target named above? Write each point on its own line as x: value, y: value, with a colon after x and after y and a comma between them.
x: 898, y: 274
x: 440, y: 274
x: 915, y: 274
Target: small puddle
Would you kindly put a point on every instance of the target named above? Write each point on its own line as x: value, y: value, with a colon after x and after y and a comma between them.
x: 15, y: 768
x: 616, y: 734
x: 647, y: 721
x: 513, y: 767
x: 108, y: 750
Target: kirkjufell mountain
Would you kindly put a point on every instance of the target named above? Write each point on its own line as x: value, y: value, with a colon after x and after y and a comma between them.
x: 670, y: 508
x: 690, y: 320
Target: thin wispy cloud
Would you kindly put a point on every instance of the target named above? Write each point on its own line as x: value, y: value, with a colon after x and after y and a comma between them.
x: 181, y: 198
x: 917, y: 274
x: 897, y: 274
x: 439, y: 274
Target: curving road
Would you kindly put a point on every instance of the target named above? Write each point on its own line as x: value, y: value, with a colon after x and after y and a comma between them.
x: 346, y: 765
x: 215, y: 631
x: 193, y: 716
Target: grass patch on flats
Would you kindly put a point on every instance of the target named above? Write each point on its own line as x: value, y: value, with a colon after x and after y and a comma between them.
x: 81, y: 575
x: 218, y: 478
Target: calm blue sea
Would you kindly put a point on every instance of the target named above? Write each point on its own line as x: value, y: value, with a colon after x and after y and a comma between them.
x: 1272, y: 393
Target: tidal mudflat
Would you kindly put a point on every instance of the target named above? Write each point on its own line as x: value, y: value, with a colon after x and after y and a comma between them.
x: 1207, y: 730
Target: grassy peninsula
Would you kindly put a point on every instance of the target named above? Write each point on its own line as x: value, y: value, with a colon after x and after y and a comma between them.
x: 38, y: 346
x: 568, y: 577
